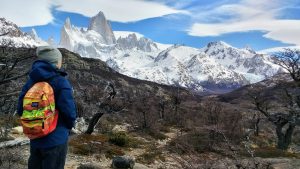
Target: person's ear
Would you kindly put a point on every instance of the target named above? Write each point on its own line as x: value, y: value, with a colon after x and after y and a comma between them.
x: 59, y: 64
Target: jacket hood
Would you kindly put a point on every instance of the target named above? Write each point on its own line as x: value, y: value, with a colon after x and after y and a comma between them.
x: 43, y: 70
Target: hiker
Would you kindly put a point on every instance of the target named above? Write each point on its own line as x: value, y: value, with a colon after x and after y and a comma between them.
x: 49, y: 151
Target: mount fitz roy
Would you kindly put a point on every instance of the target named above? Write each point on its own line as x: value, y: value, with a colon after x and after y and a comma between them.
x: 218, y: 67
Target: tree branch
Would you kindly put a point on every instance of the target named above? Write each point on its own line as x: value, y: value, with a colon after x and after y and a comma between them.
x: 12, y: 78
x: 9, y: 94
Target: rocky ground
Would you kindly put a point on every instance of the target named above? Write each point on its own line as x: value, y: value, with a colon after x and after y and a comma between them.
x: 169, y: 160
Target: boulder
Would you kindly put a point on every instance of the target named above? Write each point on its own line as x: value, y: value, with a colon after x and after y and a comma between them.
x: 120, y: 128
x: 17, y: 130
x: 122, y: 162
x: 89, y: 166
x: 80, y: 126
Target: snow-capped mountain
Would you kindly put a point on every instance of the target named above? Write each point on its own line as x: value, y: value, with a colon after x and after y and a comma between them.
x: 100, y: 25
x: 218, y: 66
x: 191, y: 68
x: 127, y: 34
x: 13, y: 36
x: 88, y: 42
x: 36, y: 38
x: 132, y: 42
x: 253, y: 66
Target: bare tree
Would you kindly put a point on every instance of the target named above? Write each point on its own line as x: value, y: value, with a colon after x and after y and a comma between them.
x: 103, y: 104
x: 282, y: 110
x: 10, y: 62
x: 289, y: 60
x: 281, y: 119
x: 7, y: 69
x: 219, y: 120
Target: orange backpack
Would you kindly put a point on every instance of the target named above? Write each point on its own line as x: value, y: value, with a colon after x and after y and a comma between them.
x: 39, y: 116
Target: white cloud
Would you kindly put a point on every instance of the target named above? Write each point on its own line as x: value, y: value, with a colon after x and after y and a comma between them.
x: 251, y: 15
x: 117, y: 10
x: 26, y: 12
x: 38, y: 12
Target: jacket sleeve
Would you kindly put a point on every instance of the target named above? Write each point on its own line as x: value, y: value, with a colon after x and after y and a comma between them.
x: 21, y: 96
x: 65, y: 103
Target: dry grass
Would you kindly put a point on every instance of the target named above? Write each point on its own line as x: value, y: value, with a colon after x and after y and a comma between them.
x: 151, y: 154
x: 94, y: 144
x: 111, y: 144
x: 272, y: 152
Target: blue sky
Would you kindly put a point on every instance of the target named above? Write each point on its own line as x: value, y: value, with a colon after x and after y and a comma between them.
x: 258, y: 24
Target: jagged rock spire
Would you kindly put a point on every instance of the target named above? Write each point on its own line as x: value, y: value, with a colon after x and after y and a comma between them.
x: 102, y: 26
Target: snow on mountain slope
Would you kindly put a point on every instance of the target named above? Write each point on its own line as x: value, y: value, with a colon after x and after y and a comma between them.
x: 255, y: 67
x: 13, y: 36
x: 87, y: 42
x: 125, y: 34
x: 182, y: 66
x: 205, y: 69
x: 180, y: 53
x: 189, y: 67
x: 218, y: 65
x: 132, y: 42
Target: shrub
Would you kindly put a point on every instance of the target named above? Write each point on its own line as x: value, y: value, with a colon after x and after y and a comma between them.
x: 87, y: 144
x: 119, y: 139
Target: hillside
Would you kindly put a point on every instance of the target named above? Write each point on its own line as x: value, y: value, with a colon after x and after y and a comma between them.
x: 159, y: 126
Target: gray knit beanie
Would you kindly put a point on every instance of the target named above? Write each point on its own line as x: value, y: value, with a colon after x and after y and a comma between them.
x: 50, y: 54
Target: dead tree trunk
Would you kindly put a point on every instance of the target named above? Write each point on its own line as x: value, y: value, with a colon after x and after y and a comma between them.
x: 279, y: 120
x: 255, y: 122
x: 93, y: 123
x: 284, y: 138
x: 162, y: 109
x: 106, y: 100
x: 144, y: 119
x: 256, y: 127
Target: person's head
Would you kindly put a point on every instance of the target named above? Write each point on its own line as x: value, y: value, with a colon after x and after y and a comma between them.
x: 49, y: 54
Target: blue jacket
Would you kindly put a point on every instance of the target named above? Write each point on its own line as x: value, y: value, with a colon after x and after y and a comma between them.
x: 64, y: 102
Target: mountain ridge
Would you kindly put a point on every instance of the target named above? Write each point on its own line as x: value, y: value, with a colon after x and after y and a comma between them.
x: 218, y: 65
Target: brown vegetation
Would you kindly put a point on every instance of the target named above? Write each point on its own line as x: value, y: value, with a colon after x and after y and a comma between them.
x: 220, y: 125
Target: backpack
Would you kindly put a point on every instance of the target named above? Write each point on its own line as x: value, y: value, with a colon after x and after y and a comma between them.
x: 39, y: 116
